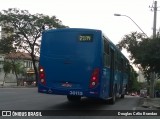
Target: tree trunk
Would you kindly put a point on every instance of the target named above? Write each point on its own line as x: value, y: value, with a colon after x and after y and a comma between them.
x: 15, y: 71
x: 152, y: 76
x: 5, y: 75
x: 35, y: 68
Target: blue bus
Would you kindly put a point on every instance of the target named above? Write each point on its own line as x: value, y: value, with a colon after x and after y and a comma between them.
x: 79, y: 62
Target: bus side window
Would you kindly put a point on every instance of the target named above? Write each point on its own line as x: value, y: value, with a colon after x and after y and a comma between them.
x: 128, y: 68
x: 106, y: 53
x: 122, y: 65
x: 116, y: 60
x: 125, y: 66
x: 106, y: 47
x: 119, y: 62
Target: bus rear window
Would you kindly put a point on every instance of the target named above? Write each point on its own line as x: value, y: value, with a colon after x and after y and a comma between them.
x: 85, y: 38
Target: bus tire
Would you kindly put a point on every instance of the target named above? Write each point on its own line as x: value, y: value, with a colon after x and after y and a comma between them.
x: 113, y: 99
x: 72, y: 98
x: 122, y: 96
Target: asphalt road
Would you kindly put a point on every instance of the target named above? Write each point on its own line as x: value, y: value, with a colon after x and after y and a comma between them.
x: 30, y: 99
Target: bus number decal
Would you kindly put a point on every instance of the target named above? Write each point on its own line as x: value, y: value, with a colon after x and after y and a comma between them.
x: 76, y: 93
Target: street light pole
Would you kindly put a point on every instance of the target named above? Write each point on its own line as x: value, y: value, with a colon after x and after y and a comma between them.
x: 132, y: 21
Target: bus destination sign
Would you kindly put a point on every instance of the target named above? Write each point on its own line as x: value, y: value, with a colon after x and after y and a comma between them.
x: 86, y: 38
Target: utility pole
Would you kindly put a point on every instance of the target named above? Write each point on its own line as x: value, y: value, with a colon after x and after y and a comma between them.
x: 155, y: 19
x: 153, y: 75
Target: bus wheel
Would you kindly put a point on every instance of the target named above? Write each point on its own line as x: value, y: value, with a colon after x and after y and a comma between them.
x: 122, y: 96
x: 113, y: 99
x: 72, y: 98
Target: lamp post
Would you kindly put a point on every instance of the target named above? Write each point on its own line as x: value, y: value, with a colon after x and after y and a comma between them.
x: 132, y: 21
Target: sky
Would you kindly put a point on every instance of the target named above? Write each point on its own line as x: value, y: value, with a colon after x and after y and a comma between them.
x: 95, y: 14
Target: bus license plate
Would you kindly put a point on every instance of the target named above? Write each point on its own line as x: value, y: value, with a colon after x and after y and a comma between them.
x: 80, y: 93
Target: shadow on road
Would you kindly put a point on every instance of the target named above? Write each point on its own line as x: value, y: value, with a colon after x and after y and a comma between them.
x: 84, y: 104
x: 86, y: 107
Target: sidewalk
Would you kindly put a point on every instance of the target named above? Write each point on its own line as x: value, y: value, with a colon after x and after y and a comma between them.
x: 17, y: 86
x: 151, y: 103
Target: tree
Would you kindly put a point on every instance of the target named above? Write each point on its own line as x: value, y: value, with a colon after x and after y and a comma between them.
x: 157, y: 87
x: 6, y: 43
x: 7, y: 68
x: 144, y: 52
x: 133, y: 83
x: 6, y: 47
x: 14, y: 59
x: 13, y: 65
x: 27, y: 29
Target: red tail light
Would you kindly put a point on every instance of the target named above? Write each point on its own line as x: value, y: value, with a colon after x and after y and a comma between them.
x: 94, y: 78
x: 42, y: 79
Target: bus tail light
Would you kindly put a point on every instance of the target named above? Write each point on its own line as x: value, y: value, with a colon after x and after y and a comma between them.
x: 94, y: 78
x: 42, y: 79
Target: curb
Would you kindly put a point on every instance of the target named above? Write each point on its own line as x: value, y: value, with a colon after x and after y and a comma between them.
x: 145, y: 105
x: 17, y: 86
x: 156, y: 106
x: 149, y: 104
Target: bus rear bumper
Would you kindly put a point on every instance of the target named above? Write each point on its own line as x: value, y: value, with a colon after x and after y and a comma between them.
x: 76, y: 92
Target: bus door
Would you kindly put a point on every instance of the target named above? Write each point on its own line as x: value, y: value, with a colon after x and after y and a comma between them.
x: 112, y: 68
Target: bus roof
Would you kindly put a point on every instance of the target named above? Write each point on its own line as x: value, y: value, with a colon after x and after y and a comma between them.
x: 72, y: 29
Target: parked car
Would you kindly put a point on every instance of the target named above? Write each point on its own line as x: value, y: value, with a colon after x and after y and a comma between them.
x: 133, y: 94
x: 29, y: 83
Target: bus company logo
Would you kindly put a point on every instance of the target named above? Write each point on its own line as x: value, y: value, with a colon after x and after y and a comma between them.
x: 6, y: 113
x: 66, y: 84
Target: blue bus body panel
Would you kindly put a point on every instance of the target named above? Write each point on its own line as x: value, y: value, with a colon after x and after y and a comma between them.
x: 105, y: 81
x: 69, y: 63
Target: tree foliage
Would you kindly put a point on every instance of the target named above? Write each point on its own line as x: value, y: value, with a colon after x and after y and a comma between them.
x: 13, y: 66
x: 133, y: 84
x: 144, y: 52
x: 7, y: 67
x: 24, y: 30
x: 6, y: 43
x: 157, y: 86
